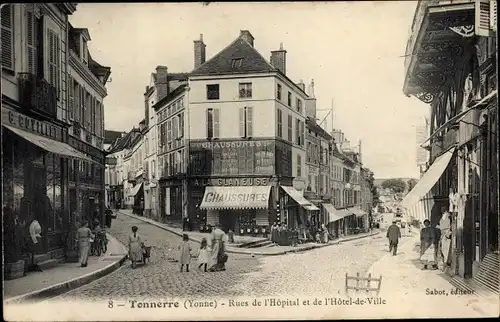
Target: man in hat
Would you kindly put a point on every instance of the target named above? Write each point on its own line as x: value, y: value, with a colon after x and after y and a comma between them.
x: 393, y: 234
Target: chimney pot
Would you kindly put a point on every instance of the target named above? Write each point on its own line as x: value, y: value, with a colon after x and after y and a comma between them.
x: 247, y: 36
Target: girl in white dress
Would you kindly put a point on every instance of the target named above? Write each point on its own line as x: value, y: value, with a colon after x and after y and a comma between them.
x: 203, y: 255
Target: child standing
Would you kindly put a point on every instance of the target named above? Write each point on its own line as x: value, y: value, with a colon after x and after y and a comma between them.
x: 185, y: 252
x: 203, y: 255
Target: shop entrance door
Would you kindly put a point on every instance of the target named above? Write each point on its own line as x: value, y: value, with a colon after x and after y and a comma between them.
x: 41, y: 206
x: 227, y: 219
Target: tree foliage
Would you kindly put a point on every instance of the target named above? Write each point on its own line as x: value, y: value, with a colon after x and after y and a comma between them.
x: 396, y: 185
x: 411, y: 183
x: 373, y: 188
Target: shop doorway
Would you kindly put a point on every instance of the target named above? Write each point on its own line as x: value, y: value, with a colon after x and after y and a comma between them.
x: 227, y: 219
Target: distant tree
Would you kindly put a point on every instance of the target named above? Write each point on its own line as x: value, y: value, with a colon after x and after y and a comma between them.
x: 374, y: 190
x: 396, y: 185
x: 411, y: 183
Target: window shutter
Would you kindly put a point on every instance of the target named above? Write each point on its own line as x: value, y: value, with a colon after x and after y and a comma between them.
x: 71, y: 99
x: 242, y: 122
x: 249, y: 121
x: 76, y: 93
x: 493, y: 15
x: 52, y: 58
x: 175, y: 129
x: 207, y: 122
x: 482, y: 21
x: 7, y: 37
x: 216, y: 122
x: 181, y: 124
x: 31, y: 41
x: 101, y: 120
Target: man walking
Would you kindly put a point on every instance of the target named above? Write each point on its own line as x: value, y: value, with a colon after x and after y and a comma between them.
x: 393, y: 234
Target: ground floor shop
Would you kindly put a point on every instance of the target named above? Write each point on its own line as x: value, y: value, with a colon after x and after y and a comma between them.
x: 150, y: 200
x: 36, y: 172
x: 134, y: 197
x: 115, y: 197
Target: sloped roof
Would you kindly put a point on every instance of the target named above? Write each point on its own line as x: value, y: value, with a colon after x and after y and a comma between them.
x: 311, y: 124
x: 124, y: 142
x: 111, y: 136
x: 171, y: 96
x: 221, y: 63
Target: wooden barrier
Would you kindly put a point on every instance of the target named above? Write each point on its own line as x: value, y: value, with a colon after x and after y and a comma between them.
x: 363, y: 284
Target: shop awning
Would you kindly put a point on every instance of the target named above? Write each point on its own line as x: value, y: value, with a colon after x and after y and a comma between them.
x: 244, y: 197
x: 428, y: 180
x: 344, y: 212
x: 357, y: 211
x: 295, y: 195
x: 333, y: 214
x: 311, y: 207
x: 50, y: 145
x: 135, y: 190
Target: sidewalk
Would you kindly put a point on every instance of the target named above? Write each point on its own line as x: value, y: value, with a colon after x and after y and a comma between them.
x: 414, y: 290
x: 64, y: 277
x: 262, y: 251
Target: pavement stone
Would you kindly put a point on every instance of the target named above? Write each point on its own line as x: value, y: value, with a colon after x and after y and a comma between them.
x: 65, y: 276
x: 320, y: 271
x: 424, y: 293
x: 266, y: 251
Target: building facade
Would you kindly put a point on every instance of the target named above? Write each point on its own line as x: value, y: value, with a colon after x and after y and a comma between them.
x: 462, y: 92
x: 40, y: 157
x: 246, y: 125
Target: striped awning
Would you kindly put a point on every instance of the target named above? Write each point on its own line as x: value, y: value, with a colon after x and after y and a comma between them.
x: 333, y: 214
x: 240, y: 197
x: 357, y: 211
x: 135, y: 190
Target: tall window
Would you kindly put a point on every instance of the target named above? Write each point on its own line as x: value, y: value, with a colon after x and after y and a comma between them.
x: 213, y: 92
x: 245, y: 90
x: 169, y: 131
x: 246, y: 122
x: 279, y: 116
x: 279, y: 89
x: 212, y: 123
x: 289, y: 101
x: 54, y: 45
x: 175, y: 128
x: 290, y: 130
x: 299, y: 105
x: 32, y: 42
x: 299, y: 165
x: 181, y: 124
x: 8, y: 37
x: 302, y: 135
x: 297, y: 132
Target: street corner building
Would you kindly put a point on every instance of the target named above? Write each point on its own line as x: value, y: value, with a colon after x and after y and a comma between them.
x: 450, y: 64
x: 52, y: 132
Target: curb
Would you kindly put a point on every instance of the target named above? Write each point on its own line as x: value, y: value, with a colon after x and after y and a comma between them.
x: 61, y: 288
x: 233, y: 250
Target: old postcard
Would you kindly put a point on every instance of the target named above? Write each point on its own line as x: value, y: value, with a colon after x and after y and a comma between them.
x: 244, y: 161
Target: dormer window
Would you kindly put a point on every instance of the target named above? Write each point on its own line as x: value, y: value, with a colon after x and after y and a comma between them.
x: 236, y: 62
x: 85, y: 52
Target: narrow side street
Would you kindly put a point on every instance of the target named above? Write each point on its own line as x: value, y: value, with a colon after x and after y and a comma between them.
x: 319, y: 271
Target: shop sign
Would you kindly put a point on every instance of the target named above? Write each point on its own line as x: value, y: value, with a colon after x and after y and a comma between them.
x: 211, y: 145
x: 313, y: 170
x: 26, y: 123
x: 212, y: 197
x: 232, y: 182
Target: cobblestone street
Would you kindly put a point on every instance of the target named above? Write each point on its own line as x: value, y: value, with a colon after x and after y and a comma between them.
x: 319, y: 271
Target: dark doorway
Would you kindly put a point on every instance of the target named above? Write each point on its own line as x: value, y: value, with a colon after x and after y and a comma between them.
x: 227, y: 219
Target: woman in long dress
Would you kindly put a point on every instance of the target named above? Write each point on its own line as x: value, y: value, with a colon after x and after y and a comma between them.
x: 428, y: 243
x: 84, y: 235
x: 135, y: 247
x: 217, y: 262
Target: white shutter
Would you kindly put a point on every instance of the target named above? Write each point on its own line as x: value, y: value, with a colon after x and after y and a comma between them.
x: 242, y: 122
x: 31, y: 42
x: 249, y: 121
x: 7, y: 37
x: 482, y: 19
x: 216, y: 122
x: 493, y: 15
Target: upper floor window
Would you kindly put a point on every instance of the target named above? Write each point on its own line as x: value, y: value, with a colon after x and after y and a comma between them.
x: 278, y: 92
x: 289, y: 99
x: 213, y: 92
x: 245, y: 90
x: 7, y: 37
x: 236, y: 62
x: 54, y: 51
x: 299, y: 165
x: 279, y: 116
x: 212, y: 123
x: 299, y: 105
x: 181, y: 124
x: 290, y: 128
x: 246, y: 122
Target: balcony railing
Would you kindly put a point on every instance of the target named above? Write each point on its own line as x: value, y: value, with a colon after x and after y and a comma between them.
x: 37, y: 94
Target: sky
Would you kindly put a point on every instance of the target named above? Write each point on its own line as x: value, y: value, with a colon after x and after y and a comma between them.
x: 353, y: 51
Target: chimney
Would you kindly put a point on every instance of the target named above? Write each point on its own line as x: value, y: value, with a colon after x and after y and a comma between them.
x: 310, y: 106
x: 161, y: 82
x: 302, y: 85
x: 278, y: 59
x: 247, y: 36
x: 199, y: 52
x: 311, y: 89
x: 359, y: 152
